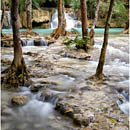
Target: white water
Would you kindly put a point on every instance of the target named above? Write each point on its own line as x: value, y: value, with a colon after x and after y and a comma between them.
x: 34, y: 42
x: 70, y: 21
x: 117, y: 65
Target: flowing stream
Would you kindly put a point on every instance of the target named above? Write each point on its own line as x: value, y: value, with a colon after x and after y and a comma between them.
x: 39, y: 113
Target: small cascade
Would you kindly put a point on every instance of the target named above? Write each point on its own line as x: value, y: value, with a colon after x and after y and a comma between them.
x: 27, y: 42
x: 124, y: 103
x: 71, y: 21
x: 54, y: 21
x: 34, y: 42
x: 43, y: 42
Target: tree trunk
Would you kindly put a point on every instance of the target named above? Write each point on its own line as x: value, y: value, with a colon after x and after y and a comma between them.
x: 16, y: 33
x: 60, y: 31
x: 17, y: 73
x: 99, y: 70
x: 91, y: 34
x: 84, y: 18
x: 126, y: 29
x: 2, y: 17
x: 29, y: 14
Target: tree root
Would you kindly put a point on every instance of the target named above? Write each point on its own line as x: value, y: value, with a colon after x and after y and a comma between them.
x: 15, y: 76
x: 91, y: 36
x: 58, y: 32
x: 96, y: 77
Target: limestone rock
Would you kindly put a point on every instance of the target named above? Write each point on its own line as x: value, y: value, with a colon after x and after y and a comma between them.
x: 7, y: 43
x: 40, y: 16
x: 19, y: 100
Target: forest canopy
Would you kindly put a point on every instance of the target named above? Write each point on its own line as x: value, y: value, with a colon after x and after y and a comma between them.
x: 119, y: 8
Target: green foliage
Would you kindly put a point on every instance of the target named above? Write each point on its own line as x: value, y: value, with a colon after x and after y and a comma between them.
x: 22, y: 5
x: 91, y: 7
x: 120, y: 11
x: 75, y: 4
x: 78, y: 42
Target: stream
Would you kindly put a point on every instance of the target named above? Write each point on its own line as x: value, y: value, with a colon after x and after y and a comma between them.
x: 58, y: 76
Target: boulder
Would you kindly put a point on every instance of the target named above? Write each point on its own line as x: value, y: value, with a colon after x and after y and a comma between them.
x: 35, y: 88
x: 19, y: 100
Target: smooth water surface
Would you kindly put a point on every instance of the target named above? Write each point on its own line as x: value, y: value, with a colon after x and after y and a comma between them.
x: 48, y: 31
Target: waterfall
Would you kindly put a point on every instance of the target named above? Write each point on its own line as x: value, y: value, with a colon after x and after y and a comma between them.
x: 70, y: 21
x: 54, y: 21
x: 27, y: 42
x: 34, y: 42
x: 43, y: 42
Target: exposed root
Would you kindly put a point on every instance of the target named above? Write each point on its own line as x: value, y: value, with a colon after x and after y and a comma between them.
x: 96, y: 77
x: 126, y: 31
x: 15, y: 76
x: 58, y: 32
x: 91, y: 36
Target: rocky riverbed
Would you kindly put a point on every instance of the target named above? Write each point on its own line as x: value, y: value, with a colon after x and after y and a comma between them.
x: 60, y: 96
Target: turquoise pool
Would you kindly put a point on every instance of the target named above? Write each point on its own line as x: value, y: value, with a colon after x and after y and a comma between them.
x: 48, y: 31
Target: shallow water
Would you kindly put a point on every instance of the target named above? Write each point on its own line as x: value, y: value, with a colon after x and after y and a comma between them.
x: 36, y: 114
x: 41, y: 115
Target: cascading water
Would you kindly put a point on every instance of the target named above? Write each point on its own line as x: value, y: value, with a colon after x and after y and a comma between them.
x: 27, y: 42
x: 70, y: 21
x: 34, y: 42
x: 124, y: 103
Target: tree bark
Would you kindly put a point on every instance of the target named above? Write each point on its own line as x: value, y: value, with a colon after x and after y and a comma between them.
x: 84, y: 18
x: 2, y: 17
x: 16, y: 33
x: 60, y: 31
x: 99, y: 70
x: 29, y: 14
x: 17, y: 73
x: 92, y: 32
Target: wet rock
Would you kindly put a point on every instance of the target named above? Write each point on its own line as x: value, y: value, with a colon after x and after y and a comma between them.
x: 51, y: 42
x: 36, y: 87
x: 5, y: 110
x: 40, y: 42
x: 19, y: 100
x: 37, y: 42
x: 85, y: 109
x: 81, y: 120
x: 5, y: 61
x: 76, y: 55
x: 47, y: 96
x: 28, y: 83
x: 7, y: 43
